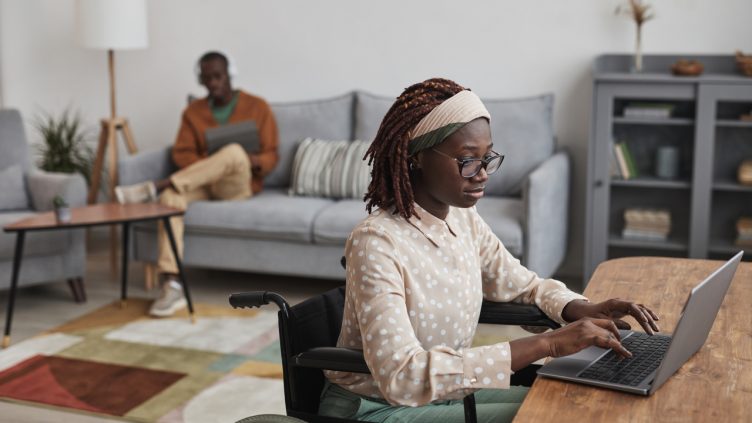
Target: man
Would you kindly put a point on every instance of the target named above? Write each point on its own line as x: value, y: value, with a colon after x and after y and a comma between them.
x: 229, y: 174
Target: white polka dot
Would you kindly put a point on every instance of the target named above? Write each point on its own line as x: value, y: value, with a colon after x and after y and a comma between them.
x: 490, y: 361
x: 500, y: 376
x: 486, y: 381
x: 478, y: 370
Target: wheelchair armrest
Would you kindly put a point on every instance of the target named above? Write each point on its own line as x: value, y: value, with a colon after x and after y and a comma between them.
x: 332, y: 358
x: 514, y: 314
x: 257, y: 299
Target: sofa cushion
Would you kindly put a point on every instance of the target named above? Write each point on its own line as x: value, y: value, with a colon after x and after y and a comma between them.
x: 369, y: 112
x: 504, y: 216
x: 335, y: 221
x: 522, y: 130
x: 13, y: 189
x: 272, y: 214
x: 326, y: 119
x: 37, y: 243
x: 330, y: 169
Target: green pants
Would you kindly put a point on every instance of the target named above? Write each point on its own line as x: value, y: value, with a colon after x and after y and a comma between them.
x: 492, y: 405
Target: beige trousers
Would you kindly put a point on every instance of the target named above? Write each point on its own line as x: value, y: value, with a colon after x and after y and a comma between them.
x: 225, y: 175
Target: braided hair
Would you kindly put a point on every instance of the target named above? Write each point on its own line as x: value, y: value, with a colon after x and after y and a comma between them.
x: 390, y: 178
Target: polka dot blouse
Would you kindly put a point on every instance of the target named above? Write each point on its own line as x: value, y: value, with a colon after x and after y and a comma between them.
x: 414, y: 293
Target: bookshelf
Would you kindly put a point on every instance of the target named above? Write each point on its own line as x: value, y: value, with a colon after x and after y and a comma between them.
x: 702, y: 125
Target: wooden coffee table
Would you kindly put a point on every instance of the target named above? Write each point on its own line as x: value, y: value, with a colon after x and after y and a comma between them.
x: 94, y: 215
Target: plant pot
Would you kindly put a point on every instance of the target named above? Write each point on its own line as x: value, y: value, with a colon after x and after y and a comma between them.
x: 63, y: 214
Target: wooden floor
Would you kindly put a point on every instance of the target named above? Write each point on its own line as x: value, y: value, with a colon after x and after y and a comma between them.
x: 43, y: 307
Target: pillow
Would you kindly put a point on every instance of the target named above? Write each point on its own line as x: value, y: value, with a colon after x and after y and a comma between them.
x: 521, y: 129
x: 13, y: 187
x: 330, y: 169
x: 329, y: 118
x: 369, y: 112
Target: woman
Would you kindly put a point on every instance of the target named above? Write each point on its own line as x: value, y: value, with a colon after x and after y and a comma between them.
x: 420, y: 265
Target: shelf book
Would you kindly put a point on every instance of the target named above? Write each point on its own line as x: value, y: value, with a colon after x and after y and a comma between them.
x: 623, y: 162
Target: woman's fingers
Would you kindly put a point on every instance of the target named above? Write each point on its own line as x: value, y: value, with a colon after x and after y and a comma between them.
x: 621, y: 324
x: 642, y: 318
x: 609, y: 341
x: 609, y: 325
x: 653, y: 315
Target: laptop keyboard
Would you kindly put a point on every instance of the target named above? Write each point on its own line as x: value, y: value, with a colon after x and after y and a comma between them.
x: 647, y: 353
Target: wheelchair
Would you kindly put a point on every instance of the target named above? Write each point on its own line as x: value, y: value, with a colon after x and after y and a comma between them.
x: 308, y: 335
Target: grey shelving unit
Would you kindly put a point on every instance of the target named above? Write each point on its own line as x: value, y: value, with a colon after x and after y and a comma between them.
x: 706, y: 199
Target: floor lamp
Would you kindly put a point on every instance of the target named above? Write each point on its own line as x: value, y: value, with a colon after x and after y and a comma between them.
x: 111, y: 25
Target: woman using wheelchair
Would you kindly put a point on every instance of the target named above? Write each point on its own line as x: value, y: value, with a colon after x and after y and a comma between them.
x: 420, y: 265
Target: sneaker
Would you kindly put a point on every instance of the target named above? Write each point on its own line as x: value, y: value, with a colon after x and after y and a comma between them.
x: 170, y: 300
x: 145, y: 192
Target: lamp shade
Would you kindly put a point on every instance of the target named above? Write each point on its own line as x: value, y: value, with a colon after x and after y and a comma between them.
x: 112, y: 24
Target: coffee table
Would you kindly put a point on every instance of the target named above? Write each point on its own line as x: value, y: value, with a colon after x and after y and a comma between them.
x: 88, y: 216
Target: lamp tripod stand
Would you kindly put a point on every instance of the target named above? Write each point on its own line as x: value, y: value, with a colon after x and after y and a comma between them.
x: 108, y: 143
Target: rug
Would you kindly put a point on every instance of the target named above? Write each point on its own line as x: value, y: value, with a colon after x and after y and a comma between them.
x: 119, y: 362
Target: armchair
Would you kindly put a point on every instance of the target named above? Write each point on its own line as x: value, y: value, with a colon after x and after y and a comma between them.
x: 48, y: 255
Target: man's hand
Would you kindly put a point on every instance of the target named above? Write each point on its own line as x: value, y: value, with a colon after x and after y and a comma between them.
x: 613, y: 309
x: 583, y: 333
x: 255, y: 165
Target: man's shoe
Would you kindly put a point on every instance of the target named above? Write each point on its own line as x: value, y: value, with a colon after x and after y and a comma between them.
x: 170, y: 300
x: 145, y: 192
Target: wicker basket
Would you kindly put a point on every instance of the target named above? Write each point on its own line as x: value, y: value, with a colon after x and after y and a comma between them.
x: 744, y: 62
x: 685, y: 67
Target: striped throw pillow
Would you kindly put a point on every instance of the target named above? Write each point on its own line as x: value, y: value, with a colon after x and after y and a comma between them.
x: 331, y: 169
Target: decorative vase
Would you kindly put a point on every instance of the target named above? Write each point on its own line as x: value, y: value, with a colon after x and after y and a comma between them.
x: 63, y: 214
x: 638, y: 50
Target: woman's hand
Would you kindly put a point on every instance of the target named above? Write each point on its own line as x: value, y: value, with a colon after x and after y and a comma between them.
x: 583, y: 333
x: 567, y: 340
x: 613, y: 309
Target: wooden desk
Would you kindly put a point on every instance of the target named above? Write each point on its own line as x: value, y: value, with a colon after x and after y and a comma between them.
x: 715, y: 385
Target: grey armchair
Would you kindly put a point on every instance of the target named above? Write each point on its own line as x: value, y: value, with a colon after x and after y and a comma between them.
x: 49, y: 256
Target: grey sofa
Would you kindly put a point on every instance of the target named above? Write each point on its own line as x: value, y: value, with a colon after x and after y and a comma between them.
x: 526, y: 202
x: 48, y: 256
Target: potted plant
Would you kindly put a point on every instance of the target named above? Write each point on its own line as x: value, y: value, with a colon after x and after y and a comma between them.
x: 62, y: 209
x: 64, y: 147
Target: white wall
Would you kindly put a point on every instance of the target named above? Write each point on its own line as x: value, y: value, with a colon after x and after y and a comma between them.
x: 292, y: 50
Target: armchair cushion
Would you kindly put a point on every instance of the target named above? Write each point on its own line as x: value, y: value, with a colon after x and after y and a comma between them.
x: 522, y: 130
x: 13, y: 189
x: 44, y: 186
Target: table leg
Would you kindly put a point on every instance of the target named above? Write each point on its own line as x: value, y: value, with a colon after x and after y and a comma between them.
x: 17, y: 255
x: 179, y: 262
x: 124, y: 264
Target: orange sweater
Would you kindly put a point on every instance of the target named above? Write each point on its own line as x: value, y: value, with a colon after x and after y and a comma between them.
x: 190, y: 145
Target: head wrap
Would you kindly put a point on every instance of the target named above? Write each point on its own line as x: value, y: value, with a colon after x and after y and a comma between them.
x: 445, y: 119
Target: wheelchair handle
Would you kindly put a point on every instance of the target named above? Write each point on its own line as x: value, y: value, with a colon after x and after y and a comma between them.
x: 257, y: 299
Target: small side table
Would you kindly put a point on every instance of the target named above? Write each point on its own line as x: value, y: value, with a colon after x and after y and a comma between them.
x: 94, y: 215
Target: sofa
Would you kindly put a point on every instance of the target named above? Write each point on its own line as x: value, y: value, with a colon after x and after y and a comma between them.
x: 526, y: 202
x: 48, y: 256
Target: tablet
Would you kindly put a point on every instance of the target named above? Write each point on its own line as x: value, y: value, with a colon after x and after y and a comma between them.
x: 244, y: 133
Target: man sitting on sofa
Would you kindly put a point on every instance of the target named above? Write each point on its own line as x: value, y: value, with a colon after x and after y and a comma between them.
x: 228, y: 174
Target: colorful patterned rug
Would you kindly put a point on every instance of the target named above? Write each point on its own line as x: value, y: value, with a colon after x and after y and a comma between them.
x: 119, y: 362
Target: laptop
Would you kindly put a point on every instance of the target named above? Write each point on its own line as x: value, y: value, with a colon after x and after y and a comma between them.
x: 244, y: 133
x: 655, y: 358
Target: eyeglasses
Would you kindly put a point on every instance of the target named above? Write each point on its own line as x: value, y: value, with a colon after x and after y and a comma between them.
x: 470, y: 167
